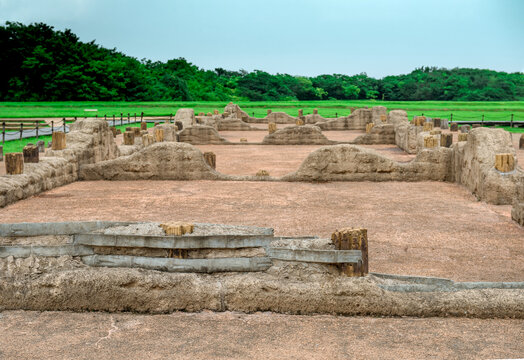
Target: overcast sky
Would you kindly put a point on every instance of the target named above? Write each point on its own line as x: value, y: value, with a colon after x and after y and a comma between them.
x: 308, y: 37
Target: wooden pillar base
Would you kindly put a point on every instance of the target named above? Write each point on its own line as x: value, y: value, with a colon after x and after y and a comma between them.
x: 211, y: 159
x: 143, y: 126
x: 369, y: 127
x: 159, y: 135
x: 58, y: 140
x: 462, y: 137
x: 272, y: 127
x: 177, y: 228
x: 353, y: 239
x: 14, y: 163
x: 129, y: 138
x: 504, y: 162
x: 446, y: 140
x: 31, y: 154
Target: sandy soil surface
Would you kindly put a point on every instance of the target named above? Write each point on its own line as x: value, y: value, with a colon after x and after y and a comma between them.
x: 208, y: 335
x: 423, y: 228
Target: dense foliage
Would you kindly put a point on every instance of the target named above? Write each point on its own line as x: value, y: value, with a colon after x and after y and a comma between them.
x: 39, y: 63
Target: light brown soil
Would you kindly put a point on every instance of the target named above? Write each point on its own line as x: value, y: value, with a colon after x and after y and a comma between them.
x: 208, y: 335
x: 423, y: 228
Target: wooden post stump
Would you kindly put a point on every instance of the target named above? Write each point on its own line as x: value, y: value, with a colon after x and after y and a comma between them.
x: 383, y: 118
x: 1, y: 153
x: 118, y: 132
x: 145, y: 140
x: 430, y: 141
x: 215, y: 112
x: 504, y: 162
x: 435, y: 132
x: 177, y: 228
x: 209, y: 114
x: 179, y: 125
x: 129, y: 138
x: 137, y: 131
x: 453, y: 127
x: 428, y: 126
x: 464, y: 129
x: 272, y: 127
x: 129, y: 129
x: 521, y: 142
x: 369, y: 126
x: 58, y: 140
x: 462, y: 137
x: 268, y: 111
x: 159, y: 135
x: 14, y: 163
x: 300, y: 112
x: 419, y: 120
x: 446, y: 140
x: 352, y: 239
x: 436, y: 122
x: 351, y: 109
x: 143, y: 126
x: 262, y: 173
x: 315, y: 111
x: 113, y: 130
x: 211, y: 159
x: 299, y: 122
x: 31, y: 153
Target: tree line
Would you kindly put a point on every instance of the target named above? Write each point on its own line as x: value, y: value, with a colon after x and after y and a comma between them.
x: 39, y: 63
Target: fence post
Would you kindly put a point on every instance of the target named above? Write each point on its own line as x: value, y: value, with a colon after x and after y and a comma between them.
x: 121, y: 119
x: 64, y: 123
x: 482, y: 119
x: 21, y: 130
x: 3, y: 132
x: 36, y: 125
x: 170, y: 117
x: 105, y: 117
x: 451, y: 117
x: 128, y: 118
x: 135, y: 117
x: 336, y: 114
x: 511, y: 125
x: 52, y: 127
x: 141, y: 116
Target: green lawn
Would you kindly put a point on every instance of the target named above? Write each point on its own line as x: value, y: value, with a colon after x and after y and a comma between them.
x: 460, y: 110
x: 443, y: 109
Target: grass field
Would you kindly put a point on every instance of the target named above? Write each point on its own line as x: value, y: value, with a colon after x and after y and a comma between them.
x: 444, y: 109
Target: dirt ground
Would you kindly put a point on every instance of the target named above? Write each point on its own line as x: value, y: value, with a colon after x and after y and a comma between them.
x: 422, y: 228
x: 208, y: 335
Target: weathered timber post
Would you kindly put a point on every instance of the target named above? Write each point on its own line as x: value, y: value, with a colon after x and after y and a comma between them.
x: 436, y: 122
x: 315, y: 111
x: 159, y: 135
x: 521, y: 142
x: 41, y: 145
x: 58, y: 140
x: 428, y: 126
x: 453, y: 127
x: 272, y: 127
x: 143, y: 126
x: 113, y: 130
x: 129, y: 138
x: 30, y: 152
x: 14, y: 163
x: 299, y: 122
x: 300, y: 112
x: 446, y: 140
x: 211, y: 159
x: 353, y: 239
x: 462, y: 137
x: 268, y: 111
x: 137, y: 131
x: 430, y: 141
x: 1, y: 153
x: 369, y: 126
x: 504, y: 162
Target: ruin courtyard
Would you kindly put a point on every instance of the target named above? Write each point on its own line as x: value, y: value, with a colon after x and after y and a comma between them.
x: 433, y: 213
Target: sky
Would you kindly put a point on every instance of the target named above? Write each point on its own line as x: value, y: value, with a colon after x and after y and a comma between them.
x: 307, y: 37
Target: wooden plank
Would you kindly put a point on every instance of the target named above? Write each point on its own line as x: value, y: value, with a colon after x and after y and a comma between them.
x: 176, y: 242
x: 315, y: 256
x: 40, y: 250
x: 55, y: 228
x: 180, y: 265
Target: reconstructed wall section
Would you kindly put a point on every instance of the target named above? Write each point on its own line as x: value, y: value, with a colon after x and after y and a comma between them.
x: 356, y: 121
x: 297, y: 135
x: 379, y: 134
x: 159, y: 161
x: 88, y: 142
x: 354, y: 163
x: 201, y: 134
